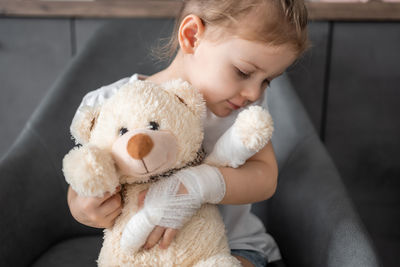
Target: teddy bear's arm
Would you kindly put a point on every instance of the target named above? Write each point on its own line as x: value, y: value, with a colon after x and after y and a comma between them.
x: 251, y: 131
x: 90, y: 171
x: 162, y: 206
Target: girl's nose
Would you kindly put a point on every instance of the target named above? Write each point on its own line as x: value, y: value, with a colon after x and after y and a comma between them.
x: 251, y: 93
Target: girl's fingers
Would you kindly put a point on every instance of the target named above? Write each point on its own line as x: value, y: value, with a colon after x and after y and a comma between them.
x: 108, y: 195
x: 111, y: 204
x: 110, y: 218
x: 113, y: 215
x: 154, y: 237
x: 97, y: 212
x: 109, y: 208
x: 141, y: 197
x: 168, y: 237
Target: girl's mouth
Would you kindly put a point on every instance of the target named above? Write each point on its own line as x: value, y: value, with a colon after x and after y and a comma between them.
x: 233, y: 106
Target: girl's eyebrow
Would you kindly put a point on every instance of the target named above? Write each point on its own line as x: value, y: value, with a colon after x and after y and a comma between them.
x: 250, y: 63
x: 258, y: 68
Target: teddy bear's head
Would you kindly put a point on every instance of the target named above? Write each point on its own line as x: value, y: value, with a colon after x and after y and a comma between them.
x: 148, y: 128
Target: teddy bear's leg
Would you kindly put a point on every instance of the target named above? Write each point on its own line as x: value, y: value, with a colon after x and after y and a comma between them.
x: 220, y: 260
x: 251, y: 132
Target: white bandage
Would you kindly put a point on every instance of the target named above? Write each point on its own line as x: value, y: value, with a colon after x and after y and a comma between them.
x: 251, y: 131
x: 136, y: 232
x: 164, y: 206
x: 230, y: 150
x: 204, y: 181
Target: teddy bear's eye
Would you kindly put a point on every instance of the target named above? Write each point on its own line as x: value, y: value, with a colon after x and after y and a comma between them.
x: 153, y: 126
x: 123, y: 131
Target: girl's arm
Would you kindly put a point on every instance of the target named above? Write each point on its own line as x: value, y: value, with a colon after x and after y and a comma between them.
x: 254, y: 181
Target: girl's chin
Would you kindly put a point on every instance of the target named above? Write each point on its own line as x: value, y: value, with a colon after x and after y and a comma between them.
x: 221, y: 112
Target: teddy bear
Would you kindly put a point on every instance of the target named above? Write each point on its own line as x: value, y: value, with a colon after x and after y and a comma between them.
x: 141, y: 137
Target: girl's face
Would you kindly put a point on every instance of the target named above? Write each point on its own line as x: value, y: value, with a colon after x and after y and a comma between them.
x: 235, y: 72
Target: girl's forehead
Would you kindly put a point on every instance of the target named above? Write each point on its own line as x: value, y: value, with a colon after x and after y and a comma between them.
x: 237, y: 46
x: 258, y: 55
x: 269, y: 59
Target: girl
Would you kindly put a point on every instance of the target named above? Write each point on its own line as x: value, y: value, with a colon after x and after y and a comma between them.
x: 230, y: 50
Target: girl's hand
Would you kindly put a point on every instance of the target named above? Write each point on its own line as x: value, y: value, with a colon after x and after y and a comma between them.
x: 98, y: 212
x: 163, y: 236
x: 160, y: 235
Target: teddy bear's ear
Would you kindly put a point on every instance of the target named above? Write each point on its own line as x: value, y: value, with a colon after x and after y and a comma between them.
x: 188, y: 95
x: 83, y: 123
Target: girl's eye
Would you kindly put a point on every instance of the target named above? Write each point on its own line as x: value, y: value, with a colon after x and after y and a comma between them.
x: 123, y: 131
x: 266, y: 83
x: 242, y: 74
x: 154, y: 126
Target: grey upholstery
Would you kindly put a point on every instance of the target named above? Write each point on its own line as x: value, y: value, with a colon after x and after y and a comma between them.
x: 310, y: 216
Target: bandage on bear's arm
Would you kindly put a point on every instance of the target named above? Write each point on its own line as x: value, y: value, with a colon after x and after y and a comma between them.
x: 165, y: 206
x: 169, y: 208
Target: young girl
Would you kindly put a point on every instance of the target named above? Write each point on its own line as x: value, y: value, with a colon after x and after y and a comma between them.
x: 230, y: 50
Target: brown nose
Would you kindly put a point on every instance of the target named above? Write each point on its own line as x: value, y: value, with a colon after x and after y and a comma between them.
x: 139, y: 146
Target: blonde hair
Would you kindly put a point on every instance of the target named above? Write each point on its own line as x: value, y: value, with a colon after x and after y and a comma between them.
x: 275, y: 22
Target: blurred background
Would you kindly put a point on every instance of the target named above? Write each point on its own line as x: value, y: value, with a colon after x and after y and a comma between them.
x: 349, y: 82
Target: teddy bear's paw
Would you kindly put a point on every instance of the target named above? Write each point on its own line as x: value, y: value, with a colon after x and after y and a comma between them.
x: 136, y: 232
x: 251, y: 131
x: 128, y: 244
x: 90, y: 171
x: 254, y: 126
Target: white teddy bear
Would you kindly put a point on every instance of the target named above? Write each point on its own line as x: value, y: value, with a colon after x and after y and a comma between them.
x: 146, y: 136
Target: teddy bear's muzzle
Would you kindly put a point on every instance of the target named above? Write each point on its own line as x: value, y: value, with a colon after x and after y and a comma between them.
x: 143, y: 153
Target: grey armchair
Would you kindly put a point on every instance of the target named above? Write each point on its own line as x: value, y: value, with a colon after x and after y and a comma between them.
x: 310, y: 216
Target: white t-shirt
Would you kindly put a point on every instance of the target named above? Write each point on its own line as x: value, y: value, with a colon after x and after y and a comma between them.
x: 244, y: 229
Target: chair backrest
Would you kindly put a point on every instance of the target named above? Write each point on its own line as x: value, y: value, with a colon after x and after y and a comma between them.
x: 33, y: 204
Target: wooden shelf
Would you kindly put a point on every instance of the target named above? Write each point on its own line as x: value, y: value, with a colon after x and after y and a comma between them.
x: 102, y: 8
x: 373, y: 10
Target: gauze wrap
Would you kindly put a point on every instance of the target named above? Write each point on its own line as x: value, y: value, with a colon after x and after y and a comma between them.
x: 164, y: 206
x: 230, y: 144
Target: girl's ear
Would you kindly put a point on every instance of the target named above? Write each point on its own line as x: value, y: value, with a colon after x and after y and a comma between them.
x: 83, y: 123
x: 190, y: 32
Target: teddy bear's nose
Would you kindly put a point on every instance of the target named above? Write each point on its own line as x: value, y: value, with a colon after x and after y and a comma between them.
x: 139, y: 146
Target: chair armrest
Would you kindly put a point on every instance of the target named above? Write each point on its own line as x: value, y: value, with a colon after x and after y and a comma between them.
x: 311, y: 215
x: 32, y: 201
